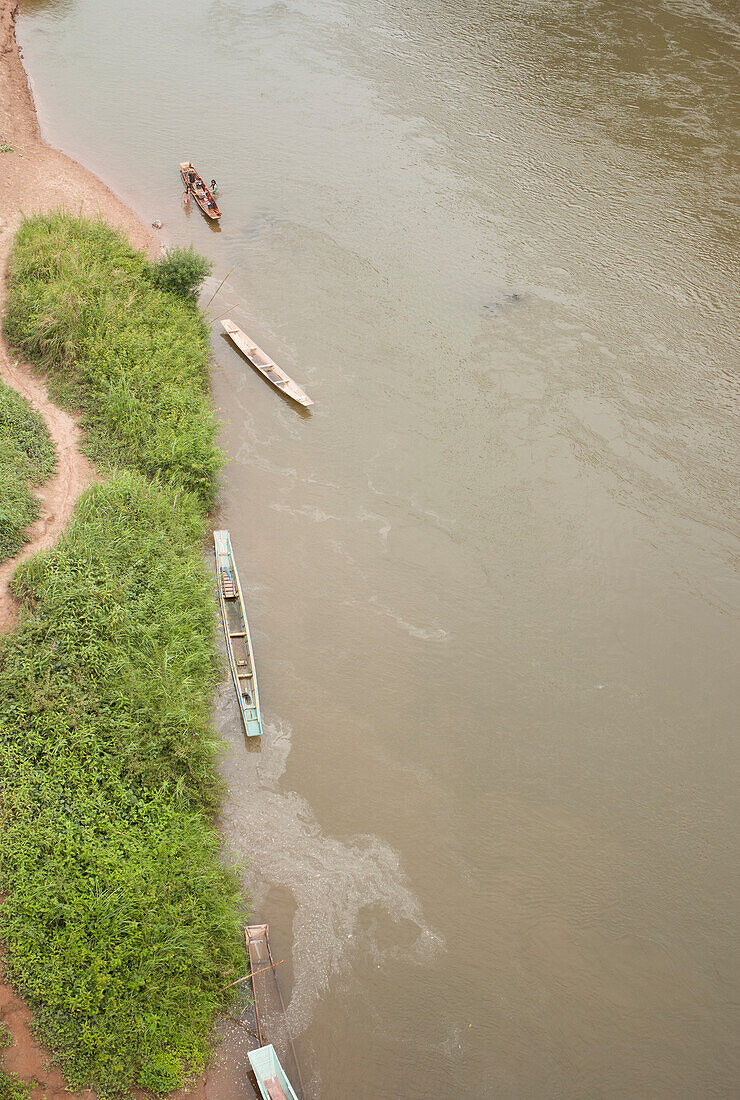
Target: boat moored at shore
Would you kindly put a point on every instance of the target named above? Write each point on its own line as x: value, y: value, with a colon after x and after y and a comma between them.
x: 271, y: 1078
x: 269, y: 1012
x: 265, y: 365
x: 236, y: 633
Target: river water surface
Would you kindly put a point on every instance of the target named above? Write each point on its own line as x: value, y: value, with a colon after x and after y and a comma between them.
x: 493, y: 821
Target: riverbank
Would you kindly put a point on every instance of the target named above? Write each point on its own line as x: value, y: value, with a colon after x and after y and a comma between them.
x: 121, y: 925
x: 37, y: 179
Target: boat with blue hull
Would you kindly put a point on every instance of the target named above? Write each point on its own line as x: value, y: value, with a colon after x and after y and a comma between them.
x: 236, y: 632
x: 272, y: 1080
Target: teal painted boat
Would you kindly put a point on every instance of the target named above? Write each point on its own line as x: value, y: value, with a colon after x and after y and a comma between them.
x: 271, y: 1022
x: 271, y: 1077
x: 236, y: 632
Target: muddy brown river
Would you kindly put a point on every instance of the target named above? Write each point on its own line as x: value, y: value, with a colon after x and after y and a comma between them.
x: 493, y: 822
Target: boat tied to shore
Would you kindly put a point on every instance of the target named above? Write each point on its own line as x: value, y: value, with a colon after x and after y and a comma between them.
x: 195, y: 186
x: 236, y: 632
x: 270, y: 1019
x: 265, y: 365
x: 271, y: 1078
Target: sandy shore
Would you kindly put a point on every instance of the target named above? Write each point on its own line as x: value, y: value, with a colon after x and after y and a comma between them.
x: 38, y: 178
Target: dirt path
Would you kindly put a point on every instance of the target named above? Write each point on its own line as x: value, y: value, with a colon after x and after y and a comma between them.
x: 59, y: 493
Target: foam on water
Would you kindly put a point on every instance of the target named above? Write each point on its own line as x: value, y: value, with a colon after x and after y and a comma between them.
x: 332, y: 881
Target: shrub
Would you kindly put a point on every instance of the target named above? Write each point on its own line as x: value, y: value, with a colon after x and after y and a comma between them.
x: 182, y: 271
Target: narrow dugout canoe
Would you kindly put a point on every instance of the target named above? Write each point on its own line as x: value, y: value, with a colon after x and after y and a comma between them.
x: 236, y: 632
x: 269, y: 1007
x: 194, y: 184
x: 271, y: 1077
x: 265, y: 365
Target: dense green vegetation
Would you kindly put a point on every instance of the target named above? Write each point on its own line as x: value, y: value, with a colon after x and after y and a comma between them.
x: 26, y: 459
x: 181, y: 270
x: 121, y: 924
x: 133, y: 357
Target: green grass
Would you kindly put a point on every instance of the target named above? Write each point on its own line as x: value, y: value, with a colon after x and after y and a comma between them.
x: 26, y: 459
x: 131, y: 356
x: 121, y: 923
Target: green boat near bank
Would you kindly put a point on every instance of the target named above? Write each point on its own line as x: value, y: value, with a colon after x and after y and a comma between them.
x: 236, y: 632
x: 271, y: 1078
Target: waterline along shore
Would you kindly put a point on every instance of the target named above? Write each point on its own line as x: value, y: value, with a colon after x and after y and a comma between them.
x: 120, y: 923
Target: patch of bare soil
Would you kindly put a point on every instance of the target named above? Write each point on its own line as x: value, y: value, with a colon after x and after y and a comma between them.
x: 58, y: 495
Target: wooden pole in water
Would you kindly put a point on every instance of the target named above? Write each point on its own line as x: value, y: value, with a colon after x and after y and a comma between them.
x: 253, y: 974
x: 218, y: 288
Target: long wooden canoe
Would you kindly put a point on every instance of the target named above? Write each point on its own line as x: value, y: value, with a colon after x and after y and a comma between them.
x: 265, y: 365
x: 272, y: 1079
x: 194, y: 184
x: 236, y: 632
x: 269, y: 1007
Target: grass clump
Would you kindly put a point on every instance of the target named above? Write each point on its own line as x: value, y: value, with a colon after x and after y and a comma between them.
x: 132, y: 356
x: 26, y: 459
x: 121, y: 923
x: 181, y: 270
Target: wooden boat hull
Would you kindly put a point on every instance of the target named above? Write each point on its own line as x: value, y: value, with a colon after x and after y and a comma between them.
x: 236, y: 633
x: 265, y: 365
x: 269, y: 1008
x: 199, y: 191
x: 272, y: 1079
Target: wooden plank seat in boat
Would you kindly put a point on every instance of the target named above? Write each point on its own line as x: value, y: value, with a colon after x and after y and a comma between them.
x: 274, y: 1089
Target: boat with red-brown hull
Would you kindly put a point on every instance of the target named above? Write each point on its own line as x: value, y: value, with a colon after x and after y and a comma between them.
x: 194, y: 186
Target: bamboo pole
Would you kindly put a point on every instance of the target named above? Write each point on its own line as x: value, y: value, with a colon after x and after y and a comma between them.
x: 253, y: 974
x: 218, y: 288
